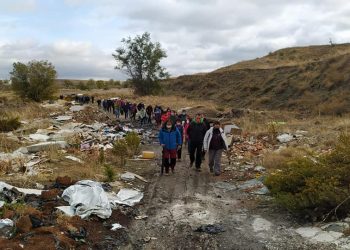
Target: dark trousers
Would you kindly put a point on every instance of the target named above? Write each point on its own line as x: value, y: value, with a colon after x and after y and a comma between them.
x: 169, y: 163
x: 179, y: 153
x: 196, y: 153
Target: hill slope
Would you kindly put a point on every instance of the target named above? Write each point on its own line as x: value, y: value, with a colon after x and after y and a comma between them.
x: 315, y: 78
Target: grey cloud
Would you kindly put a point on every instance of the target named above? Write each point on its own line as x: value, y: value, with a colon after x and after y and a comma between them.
x: 71, y: 59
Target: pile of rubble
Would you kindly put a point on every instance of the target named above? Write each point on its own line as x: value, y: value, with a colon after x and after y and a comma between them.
x: 65, y: 131
x: 66, y: 215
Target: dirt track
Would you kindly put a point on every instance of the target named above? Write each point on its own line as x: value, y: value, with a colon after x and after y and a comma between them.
x: 179, y: 203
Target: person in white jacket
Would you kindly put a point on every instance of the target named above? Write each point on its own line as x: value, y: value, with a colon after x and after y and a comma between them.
x: 215, y: 143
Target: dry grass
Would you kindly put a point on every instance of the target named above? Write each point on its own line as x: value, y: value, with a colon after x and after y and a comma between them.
x: 274, y: 160
x: 8, y: 144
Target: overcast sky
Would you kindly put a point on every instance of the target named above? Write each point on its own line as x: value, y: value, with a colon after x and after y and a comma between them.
x: 79, y: 36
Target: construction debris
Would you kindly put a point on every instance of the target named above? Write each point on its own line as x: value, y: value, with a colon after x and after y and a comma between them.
x: 88, y: 197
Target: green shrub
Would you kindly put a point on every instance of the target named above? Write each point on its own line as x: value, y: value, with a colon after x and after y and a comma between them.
x: 133, y: 142
x: 9, y: 123
x: 120, y: 149
x: 82, y: 86
x: 314, y: 188
x: 34, y: 80
x: 109, y: 173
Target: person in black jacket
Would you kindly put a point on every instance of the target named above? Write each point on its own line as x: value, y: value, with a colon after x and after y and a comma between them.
x: 196, y: 132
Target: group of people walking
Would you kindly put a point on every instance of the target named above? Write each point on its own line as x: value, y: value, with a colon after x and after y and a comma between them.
x: 199, y: 136
x: 175, y: 131
x: 128, y: 110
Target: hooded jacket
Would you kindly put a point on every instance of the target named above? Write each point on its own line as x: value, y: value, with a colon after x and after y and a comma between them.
x: 171, y: 139
x: 209, y: 135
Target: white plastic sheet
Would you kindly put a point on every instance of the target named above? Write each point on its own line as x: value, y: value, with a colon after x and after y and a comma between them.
x: 86, y: 198
x: 125, y: 196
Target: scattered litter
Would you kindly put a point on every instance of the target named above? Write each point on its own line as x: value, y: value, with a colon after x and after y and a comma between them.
x: 116, y: 226
x: 148, y: 155
x: 285, y: 138
x: 259, y: 169
x: 4, y: 185
x: 129, y: 197
x: 6, y: 228
x: 67, y: 210
x: 148, y: 239
x: 141, y: 217
x: 73, y: 158
x: 6, y: 223
x: 88, y: 197
x: 211, y: 229
x: 131, y: 176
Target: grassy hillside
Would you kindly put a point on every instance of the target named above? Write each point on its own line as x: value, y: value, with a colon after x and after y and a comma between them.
x: 309, y: 79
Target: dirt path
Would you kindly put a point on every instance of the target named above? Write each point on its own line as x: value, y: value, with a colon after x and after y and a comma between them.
x: 179, y: 203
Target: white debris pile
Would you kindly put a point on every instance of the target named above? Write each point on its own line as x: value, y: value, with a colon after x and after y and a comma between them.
x: 86, y: 198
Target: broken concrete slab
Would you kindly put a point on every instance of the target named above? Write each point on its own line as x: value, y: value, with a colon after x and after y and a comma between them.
x: 73, y: 158
x: 127, y: 176
x: 260, y: 224
x: 224, y: 185
x: 308, y: 232
x: 22, y: 190
x: 77, y: 108
x: 39, y: 137
x: 254, y: 186
x: 62, y: 118
x: 46, y: 145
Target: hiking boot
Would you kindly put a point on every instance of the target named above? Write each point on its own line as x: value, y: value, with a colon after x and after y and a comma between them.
x: 166, y: 174
x: 216, y: 174
x: 198, y: 170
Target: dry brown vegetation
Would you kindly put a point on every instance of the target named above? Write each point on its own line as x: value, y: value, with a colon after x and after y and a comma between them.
x: 311, y: 80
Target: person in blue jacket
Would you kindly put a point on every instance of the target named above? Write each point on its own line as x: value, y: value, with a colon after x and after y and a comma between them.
x: 170, y: 139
